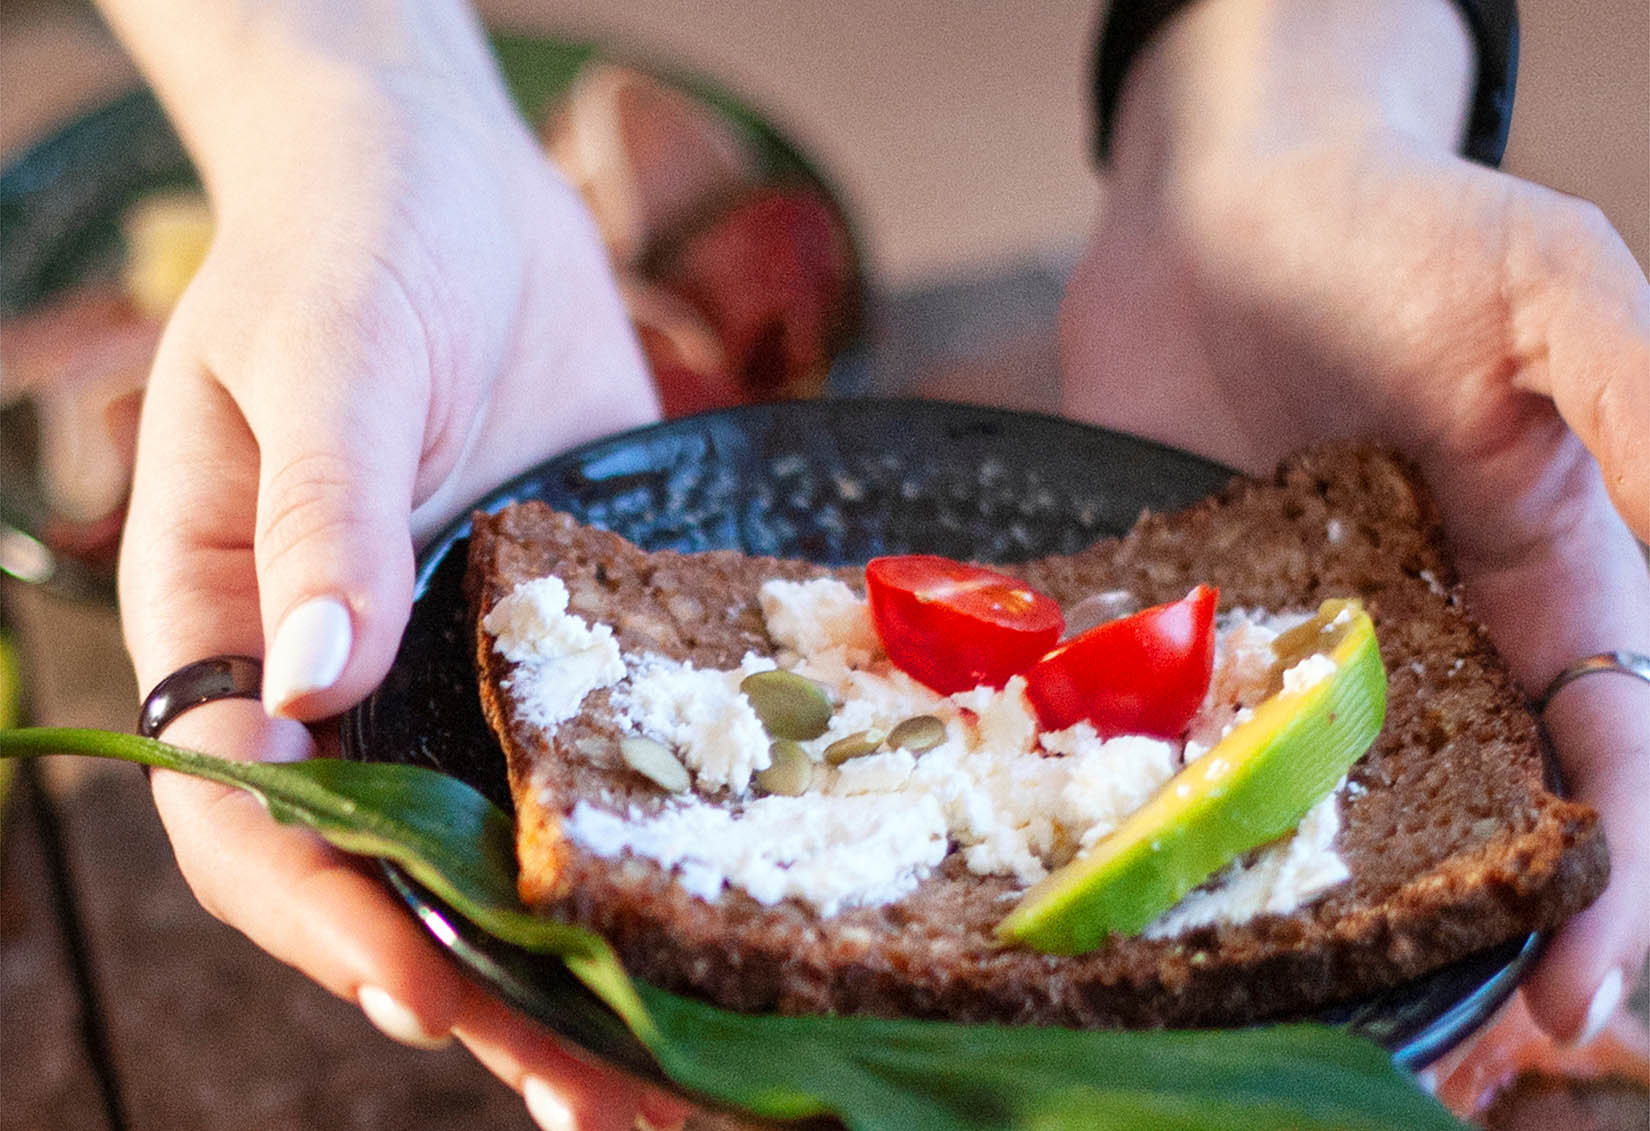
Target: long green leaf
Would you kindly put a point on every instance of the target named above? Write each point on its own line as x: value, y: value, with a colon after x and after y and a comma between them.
x: 875, y: 1075
x: 447, y: 836
x: 888, y: 1075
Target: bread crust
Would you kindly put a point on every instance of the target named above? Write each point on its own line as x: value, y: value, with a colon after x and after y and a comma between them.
x: 1454, y: 842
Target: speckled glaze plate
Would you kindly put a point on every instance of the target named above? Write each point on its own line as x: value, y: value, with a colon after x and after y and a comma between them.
x: 834, y: 481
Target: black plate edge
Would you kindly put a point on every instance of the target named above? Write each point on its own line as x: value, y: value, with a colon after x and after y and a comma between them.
x: 1413, y: 1045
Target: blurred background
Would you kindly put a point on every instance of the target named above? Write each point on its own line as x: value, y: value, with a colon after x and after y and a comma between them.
x: 956, y: 135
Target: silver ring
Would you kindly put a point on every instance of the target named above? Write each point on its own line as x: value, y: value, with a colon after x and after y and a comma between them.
x: 204, y: 681
x: 1623, y: 663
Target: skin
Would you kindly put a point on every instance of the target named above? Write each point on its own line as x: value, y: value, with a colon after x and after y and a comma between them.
x: 403, y: 305
x: 1289, y: 251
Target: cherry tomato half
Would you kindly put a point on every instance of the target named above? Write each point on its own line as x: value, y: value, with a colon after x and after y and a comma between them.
x: 952, y: 626
x: 1143, y: 674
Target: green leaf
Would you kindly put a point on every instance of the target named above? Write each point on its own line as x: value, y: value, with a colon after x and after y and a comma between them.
x: 445, y: 835
x: 892, y: 1075
x: 11, y: 709
x: 537, y: 70
x: 875, y: 1075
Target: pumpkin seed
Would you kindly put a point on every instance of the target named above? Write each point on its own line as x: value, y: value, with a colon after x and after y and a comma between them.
x: 918, y: 734
x: 789, y: 769
x: 654, y: 761
x: 855, y: 745
x: 789, y: 705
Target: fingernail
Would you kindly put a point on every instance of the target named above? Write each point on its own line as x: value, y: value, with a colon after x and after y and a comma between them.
x: 1428, y: 1080
x: 643, y: 1123
x: 1603, y: 1007
x: 396, y: 1021
x: 310, y: 649
x: 546, y: 1106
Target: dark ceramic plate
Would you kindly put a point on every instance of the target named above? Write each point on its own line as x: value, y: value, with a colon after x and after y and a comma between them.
x: 834, y: 482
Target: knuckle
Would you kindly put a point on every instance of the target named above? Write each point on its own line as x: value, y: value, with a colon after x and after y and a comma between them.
x: 1588, y: 221
x: 306, y: 500
x: 1584, y: 248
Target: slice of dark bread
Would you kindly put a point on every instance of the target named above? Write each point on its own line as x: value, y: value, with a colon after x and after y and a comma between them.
x: 1453, y: 839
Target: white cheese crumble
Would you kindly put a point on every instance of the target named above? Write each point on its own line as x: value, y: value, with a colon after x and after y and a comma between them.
x: 1243, y: 665
x: 1309, y: 672
x: 702, y: 714
x: 811, y: 618
x: 782, y: 847
x: 1012, y: 801
x: 560, y: 657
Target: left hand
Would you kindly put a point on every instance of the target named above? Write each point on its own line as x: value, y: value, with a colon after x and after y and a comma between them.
x: 403, y: 305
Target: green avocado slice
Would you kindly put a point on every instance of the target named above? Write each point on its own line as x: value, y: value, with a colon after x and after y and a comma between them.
x: 1252, y: 787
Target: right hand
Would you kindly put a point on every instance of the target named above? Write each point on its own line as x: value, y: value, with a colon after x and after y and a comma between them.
x: 1282, y: 261
x: 403, y: 306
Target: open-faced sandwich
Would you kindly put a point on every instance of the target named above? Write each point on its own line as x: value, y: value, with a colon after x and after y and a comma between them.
x: 1248, y: 760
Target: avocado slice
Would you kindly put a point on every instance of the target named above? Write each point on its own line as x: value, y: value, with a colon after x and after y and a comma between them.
x: 1252, y: 787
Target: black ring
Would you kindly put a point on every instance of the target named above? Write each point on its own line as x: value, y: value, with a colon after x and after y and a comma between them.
x: 204, y: 681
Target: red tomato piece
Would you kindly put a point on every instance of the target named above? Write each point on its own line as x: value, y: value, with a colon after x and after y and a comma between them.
x: 953, y: 627
x: 1143, y: 674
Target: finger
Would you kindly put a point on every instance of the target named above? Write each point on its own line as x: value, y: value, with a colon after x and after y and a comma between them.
x: 562, y: 1091
x: 1580, y: 320
x: 1583, y: 591
x: 187, y: 587
x: 1601, y: 727
x: 188, y: 591
x: 295, y: 897
x: 337, y: 400
x: 1581, y: 324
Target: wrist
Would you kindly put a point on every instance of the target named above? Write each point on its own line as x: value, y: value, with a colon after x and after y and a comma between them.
x: 1228, y: 79
x: 255, y: 83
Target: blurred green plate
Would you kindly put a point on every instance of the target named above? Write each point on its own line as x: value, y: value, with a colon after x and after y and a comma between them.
x: 62, y: 199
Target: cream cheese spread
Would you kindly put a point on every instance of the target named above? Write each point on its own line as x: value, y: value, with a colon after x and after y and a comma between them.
x: 782, y: 847
x: 1012, y: 800
x: 560, y: 658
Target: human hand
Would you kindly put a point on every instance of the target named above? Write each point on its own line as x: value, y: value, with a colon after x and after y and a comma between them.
x: 403, y: 305
x: 1284, y: 257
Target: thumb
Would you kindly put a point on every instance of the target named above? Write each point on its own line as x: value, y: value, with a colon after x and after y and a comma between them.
x: 338, y: 456
x: 1582, y: 331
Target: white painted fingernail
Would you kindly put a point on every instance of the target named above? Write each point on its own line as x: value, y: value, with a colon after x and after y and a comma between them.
x: 308, y: 654
x: 396, y: 1021
x: 1603, y: 1007
x: 546, y: 1106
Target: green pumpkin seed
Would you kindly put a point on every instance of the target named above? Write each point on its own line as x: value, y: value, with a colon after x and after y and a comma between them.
x: 789, y: 705
x: 789, y: 769
x: 856, y: 745
x: 654, y: 761
x: 918, y: 734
